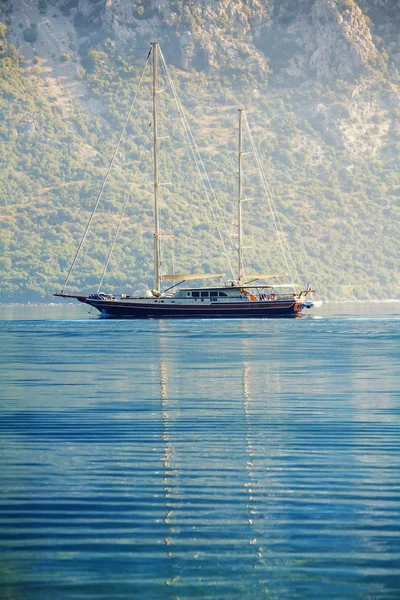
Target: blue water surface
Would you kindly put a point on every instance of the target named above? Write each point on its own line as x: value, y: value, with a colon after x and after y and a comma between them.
x: 200, y: 459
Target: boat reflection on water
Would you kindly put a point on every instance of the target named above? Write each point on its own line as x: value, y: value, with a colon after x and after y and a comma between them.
x: 170, y: 478
x: 209, y: 460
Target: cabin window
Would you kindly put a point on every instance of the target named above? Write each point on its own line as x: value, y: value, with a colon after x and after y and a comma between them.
x: 214, y: 294
x: 196, y: 294
x: 222, y: 294
x: 204, y: 294
x: 187, y: 293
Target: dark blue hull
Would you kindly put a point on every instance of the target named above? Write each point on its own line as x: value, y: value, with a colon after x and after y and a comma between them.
x: 243, y: 310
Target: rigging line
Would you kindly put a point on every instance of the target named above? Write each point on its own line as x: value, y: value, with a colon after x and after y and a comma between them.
x: 298, y: 279
x: 287, y: 245
x: 281, y: 227
x: 105, y: 178
x: 276, y: 222
x: 198, y: 160
x: 142, y: 150
x: 269, y: 198
x: 205, y: 178
x: 275, y: 212
x: 191, y: 140
x: 268, y: 188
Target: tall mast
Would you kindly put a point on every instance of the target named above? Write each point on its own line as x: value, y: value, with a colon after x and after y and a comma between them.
x: 157, y: 250
x: 240, y: 228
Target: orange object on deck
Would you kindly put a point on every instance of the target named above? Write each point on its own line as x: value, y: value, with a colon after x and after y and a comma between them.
x: 252, y: 297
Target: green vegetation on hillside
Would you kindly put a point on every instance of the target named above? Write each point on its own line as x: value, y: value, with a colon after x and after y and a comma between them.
x: 338, y: 201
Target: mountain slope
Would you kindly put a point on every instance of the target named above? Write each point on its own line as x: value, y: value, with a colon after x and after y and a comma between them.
x: 320, y: 85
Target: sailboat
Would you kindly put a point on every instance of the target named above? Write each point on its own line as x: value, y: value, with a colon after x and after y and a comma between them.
x: 247, y: 295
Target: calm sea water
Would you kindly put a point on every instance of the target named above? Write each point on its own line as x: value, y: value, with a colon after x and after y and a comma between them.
x: 200, y: 459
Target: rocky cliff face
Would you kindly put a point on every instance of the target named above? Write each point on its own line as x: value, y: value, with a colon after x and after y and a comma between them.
x: 322, y: 38
x: 334, y: 40
x: 198, y: 35
x: 330, y: 37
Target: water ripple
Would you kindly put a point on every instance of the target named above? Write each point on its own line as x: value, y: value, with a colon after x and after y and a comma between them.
x: 200, y: 460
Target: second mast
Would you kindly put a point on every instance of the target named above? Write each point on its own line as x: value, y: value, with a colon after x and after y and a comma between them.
x: 157, y: 249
